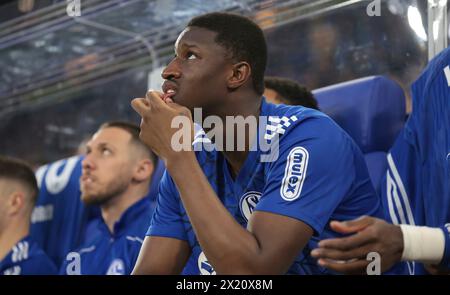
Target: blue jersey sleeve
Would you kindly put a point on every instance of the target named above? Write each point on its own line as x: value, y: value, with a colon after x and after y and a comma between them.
x: 167, y: 220
x: 445, y: 262
x: 38, y: 265
x: 401, y: 190
x: 314, y: 172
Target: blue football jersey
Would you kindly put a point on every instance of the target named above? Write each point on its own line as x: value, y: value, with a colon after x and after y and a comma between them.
x: 59, y: 218
x: 106, y: 253
x: 317, y: 174
x: 417, y: 189
x: 27, y: 258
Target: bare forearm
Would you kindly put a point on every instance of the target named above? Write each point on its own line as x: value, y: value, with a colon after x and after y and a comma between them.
x: 162, y: 256
x: 229, y: 247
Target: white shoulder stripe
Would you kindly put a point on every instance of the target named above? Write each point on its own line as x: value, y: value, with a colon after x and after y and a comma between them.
x: 447, y: 74
x: 390, y: 187
x: 403, y: 193
x: 86, y: 250
x: 392, y: 193
x: 134, y: 239
x: 20, y: 251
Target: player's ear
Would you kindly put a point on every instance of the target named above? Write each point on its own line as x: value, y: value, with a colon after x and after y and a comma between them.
x: 239, y: 74
x: 16, y: 201
x: 143, y: 170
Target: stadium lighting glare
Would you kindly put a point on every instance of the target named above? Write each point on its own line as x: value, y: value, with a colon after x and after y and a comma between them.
x: 415, y: 22
x: 437, y: 2
x: 436, y: 29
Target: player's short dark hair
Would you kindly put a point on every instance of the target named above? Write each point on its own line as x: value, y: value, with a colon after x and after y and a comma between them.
x: 18, y: 170
x: 241, y: 37
x: 134, y: 130
x: 291, y: 92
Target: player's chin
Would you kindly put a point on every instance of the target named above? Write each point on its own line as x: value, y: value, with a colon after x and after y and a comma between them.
x: 182, y: 100
x: 189, y: 105
x: 88, y: 197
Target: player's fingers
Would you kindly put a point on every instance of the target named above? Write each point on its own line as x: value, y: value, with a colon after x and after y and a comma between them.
x: 347, y: 267
x: 331, y: 253
x: 346, y: 227
x: 347, y: 243
x: 155, y: 98
x: 179, y: 109
x: 140, y: 105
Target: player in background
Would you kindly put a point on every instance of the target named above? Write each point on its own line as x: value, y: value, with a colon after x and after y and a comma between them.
x: 116, y: 174
x: 59, y: 218
x: 416, y: 196
x: 19, y: 254
x: 282, y: 90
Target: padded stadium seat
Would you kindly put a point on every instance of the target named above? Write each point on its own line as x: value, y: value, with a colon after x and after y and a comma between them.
x: 372, y: 111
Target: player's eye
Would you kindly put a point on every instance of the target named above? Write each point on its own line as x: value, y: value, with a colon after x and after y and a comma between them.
x: 191, y: 55
x: 106, y: 152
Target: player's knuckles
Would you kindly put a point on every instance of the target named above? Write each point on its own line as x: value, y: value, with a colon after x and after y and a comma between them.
x: 137, y: 105
x: 151, y: 94
x: 330, y: 243
x: 154, y: 106
x: 362, y: 221
x: 338, y: 245
x: 348, y: 255
x: 336, y: 254
x: 380, y: 247
x: 148, y: 115
x: 345, y: 244
x: 372, y: 232
x: 356, y: 267
x: 360, y: 253
x: 146, y: 119
x: 180, y: 110
x: 321, y: 253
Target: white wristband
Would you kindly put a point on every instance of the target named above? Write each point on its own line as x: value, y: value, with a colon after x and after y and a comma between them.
x: 421, y: 243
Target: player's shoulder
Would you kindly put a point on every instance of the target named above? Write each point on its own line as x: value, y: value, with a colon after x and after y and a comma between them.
x: 40, y: 264
x: 205, y: 150
x: 86, y: 249
x: 439, y: 62
x: 297, y: 123
x: 283, y: 110
x: 135, y: 220
x: 439, y: 66
x: 93, y: 231
x: 31, y: 258
x: 95, y: 235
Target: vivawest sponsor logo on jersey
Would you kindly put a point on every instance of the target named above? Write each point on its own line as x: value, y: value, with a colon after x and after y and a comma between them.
x: 295, y: 174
